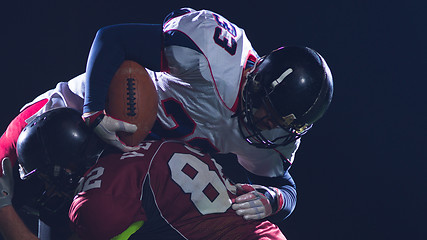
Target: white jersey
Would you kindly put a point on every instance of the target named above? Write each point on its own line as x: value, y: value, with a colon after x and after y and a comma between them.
x: 65, y: 94
x: 203, y: 87
x: 199, y: 95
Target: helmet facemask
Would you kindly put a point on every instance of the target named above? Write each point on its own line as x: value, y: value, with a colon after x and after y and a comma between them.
x: 57, y: 188
x: 293, y: 87
x: 254, y: 98
x: 54, y: 151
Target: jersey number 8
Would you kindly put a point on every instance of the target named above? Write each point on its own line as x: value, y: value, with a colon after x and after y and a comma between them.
x: 198, y: 184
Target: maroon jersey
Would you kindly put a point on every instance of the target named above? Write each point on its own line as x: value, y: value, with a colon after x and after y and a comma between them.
x: 177, y: 191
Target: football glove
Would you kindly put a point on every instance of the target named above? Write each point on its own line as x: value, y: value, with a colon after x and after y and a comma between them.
x: 106, y: 128
x: 256, y: 201
x: 6, y: 183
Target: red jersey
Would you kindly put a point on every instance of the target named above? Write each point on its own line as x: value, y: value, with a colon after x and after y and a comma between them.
x: 10, y: 137
x: 177, y: 191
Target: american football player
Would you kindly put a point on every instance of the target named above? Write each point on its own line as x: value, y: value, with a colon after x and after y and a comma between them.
x: 215, y: 93
x: 54, y: 150
x: 125, y: 194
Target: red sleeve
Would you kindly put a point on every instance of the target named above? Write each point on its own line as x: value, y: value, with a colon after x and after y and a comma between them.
x: 110, y: 198
x: 10, y: 136
x: 101, y: 216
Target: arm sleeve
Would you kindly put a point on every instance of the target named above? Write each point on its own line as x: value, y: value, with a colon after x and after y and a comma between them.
x: 10, y: 137
x: 103, y: 216
x: 112, y: 45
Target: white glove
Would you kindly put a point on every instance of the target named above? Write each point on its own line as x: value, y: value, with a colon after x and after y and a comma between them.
x: 6, y: 183
x: 253, y: 204
x: 106, y: 128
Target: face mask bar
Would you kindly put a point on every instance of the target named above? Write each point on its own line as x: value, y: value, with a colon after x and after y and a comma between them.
x: 57, y: 192
x: 248, y: 123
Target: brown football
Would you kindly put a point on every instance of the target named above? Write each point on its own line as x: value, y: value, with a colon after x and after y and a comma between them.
x: 132, y: 97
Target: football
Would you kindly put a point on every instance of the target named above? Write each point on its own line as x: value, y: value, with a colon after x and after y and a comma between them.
x: 132, y: 98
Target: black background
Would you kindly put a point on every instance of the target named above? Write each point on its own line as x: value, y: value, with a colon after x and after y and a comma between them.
x: 360, y: 171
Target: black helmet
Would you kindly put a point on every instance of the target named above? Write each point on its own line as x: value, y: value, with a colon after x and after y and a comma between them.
x: 294, y: 86
x: 58, y: 148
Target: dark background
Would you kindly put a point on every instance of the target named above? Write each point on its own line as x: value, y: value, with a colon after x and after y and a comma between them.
x: 360, y: 171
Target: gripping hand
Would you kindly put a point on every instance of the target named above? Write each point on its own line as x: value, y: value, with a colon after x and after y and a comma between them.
x: 6, y: 183
x: 106, y: 128
x: 256, y: 201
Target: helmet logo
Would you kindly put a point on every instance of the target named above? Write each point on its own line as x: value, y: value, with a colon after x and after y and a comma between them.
x: 281, y: 78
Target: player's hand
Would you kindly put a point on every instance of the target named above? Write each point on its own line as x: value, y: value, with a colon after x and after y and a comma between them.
x: 107, y: 127
x: 6, y: 183
x: 256, y: 201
